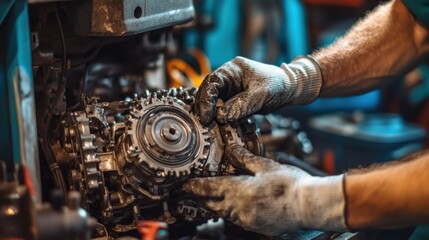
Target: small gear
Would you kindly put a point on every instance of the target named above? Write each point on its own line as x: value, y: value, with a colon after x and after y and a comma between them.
x: 166, y: 137
x: 89, y: 157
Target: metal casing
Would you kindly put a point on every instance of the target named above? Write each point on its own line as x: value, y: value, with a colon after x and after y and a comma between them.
x: 127, y: 17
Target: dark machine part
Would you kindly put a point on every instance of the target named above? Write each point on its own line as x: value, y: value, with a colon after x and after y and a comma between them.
x: 23, y: 218
x: 281, y: 134
x: 125, y: 17
x: 60, y: 221
x: 127, y: 151
x: 16, y: 208
x: 67, y: 64
x: 129, y: 158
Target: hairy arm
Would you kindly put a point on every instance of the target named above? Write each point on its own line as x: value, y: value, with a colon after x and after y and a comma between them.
x: 385, y: 44
x: 394, y: 195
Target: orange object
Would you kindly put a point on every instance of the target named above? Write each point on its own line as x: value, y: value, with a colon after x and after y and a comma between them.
x: 329, y: 161
x: 153, y: 230
x: 176, y: 67
x: 28, y: 182
x: 202, y: 60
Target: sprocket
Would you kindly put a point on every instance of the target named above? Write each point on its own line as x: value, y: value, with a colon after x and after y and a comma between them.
x: 165, y: 136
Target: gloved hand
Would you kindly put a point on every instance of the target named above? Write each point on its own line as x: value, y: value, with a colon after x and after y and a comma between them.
x: 248, y: 86
x: 275, y: 199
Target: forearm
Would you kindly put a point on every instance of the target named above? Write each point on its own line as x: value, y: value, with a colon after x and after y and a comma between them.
x: 385, y: 44
x: 390, y: 197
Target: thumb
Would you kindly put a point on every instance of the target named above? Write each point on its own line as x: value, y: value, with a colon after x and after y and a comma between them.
x: 242, y: 158
x: 239, y: 106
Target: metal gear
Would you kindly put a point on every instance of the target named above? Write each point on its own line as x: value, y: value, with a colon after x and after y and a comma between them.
x: 86, y: 150
x: 166, y: 137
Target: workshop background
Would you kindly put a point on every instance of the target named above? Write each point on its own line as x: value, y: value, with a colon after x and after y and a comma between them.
x: 277, y: 31
x: 346, y: 132
x: 65, y: 87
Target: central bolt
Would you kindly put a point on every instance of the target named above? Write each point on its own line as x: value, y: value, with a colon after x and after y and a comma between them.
x: 171, y: 133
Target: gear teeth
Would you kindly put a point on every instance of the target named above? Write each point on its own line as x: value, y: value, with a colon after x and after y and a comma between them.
x: 146, y: 94
x: 178, y: 99
x: 89, y: 158
x: 164, y: 92
x: 172, y: 92
x: 170, y: 100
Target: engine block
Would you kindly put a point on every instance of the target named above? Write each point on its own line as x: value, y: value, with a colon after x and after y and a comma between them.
x: 129, y: 158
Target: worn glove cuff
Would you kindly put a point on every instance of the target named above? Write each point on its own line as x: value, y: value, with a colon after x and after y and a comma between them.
x: 321, y: 203
x: 305, y: 75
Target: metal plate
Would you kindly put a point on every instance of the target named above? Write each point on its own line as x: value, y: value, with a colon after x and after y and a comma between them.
x: 127, y: 17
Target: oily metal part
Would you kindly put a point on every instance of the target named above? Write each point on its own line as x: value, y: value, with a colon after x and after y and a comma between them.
x: 87, y: 151
x: 168, y: 138
x: 128, y: 158
x: 126, y: 17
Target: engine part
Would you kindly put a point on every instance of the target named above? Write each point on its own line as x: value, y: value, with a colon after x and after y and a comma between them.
x: 68, y: 222
x: 128, y: 158
x: 117, y: 18
x: 283, y: 134
x: 166, y: 137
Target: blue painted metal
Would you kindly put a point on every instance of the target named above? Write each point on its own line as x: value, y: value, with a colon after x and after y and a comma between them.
x: 221, y: 43
x: 18, y: 141
x: 6, y: 152
x: 5, y: 8
x: 296, y: 30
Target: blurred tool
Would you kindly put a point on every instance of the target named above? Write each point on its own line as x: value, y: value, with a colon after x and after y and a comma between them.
x: 21, y: 218
x: 16, y: 207
x: 60, y: 221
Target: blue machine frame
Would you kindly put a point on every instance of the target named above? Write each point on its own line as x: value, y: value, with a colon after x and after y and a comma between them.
x: 18, y: 141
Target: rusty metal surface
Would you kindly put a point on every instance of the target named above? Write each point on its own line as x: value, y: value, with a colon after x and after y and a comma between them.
x: 108, y: 17
x: 25, y: 112
x: 127, y: 17
x: 19, y: 138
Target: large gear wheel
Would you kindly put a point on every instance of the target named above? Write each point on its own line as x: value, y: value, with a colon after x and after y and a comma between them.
x: 166, y: 137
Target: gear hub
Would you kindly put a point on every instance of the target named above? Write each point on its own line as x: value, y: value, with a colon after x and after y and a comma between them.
x: 165, y: 137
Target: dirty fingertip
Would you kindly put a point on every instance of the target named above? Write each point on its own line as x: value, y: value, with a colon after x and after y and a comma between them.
x: 205, y: 112
x: 236, y: 150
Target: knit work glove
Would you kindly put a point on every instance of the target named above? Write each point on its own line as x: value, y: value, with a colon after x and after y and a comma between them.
x: 248, y: 87
x: 275, y: 198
